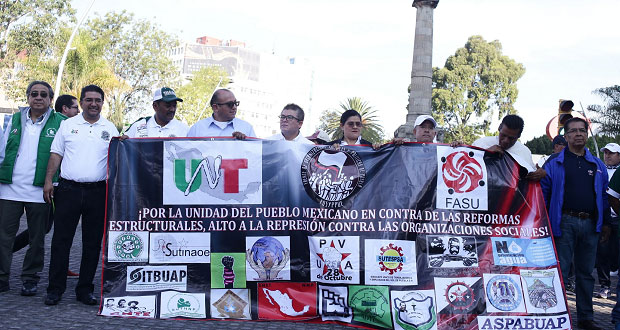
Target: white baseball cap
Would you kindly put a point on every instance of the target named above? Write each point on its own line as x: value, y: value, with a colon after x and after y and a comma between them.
x: 612, y: 147
x: 423, y: 118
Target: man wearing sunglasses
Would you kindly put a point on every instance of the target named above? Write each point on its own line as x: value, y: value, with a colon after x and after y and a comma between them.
x: 291, y: 120
x: 163, y: 123
x: 223, y: 122
x: 24, y: 154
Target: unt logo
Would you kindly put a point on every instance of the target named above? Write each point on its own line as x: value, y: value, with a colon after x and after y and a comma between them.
x: 213, y: 171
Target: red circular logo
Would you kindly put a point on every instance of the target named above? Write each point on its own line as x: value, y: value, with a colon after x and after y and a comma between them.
x: 461, y: 172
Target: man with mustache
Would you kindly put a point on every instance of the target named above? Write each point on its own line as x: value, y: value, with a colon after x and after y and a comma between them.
x: 163, y: 123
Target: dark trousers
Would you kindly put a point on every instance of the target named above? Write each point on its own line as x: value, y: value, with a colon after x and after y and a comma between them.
x: 22, y: 239
x: 607, y: 255
x: 10, y: 213
x: 579, y: 241
x: 75, y: 199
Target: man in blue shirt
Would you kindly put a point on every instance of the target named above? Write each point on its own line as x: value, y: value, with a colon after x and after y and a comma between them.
x: 223, y: 122
x: 575, y: 193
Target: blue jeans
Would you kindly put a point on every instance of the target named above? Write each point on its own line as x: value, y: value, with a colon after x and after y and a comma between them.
x: 579, y: 240
x: 615, y: 313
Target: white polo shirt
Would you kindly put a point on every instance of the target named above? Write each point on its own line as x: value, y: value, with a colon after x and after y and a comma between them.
x: 22, y: 189
x: 298, y: 139
x: 84, y: 148
x: 150, y: 128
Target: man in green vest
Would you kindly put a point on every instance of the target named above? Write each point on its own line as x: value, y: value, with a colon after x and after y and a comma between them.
x: 24, y: 153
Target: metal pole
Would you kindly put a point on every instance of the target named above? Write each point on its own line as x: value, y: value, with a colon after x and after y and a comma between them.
x: 583, y: 112
x: 61, y: 67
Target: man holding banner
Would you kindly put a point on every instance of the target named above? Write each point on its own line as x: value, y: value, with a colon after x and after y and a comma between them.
x: 223, y: 122
x: 82, y: 142
x: 574, y: 189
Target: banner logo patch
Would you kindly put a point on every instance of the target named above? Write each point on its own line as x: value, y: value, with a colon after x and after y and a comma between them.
x: 180, y: 248
x: 128, y: 246
x: 155, y: 278
x: 130, y: 306
x: 371, y: 305
x: 390, y: 262
x: 508, y: 251
x: 543, y: 291
x: 334, y: 259
x: 286, y: 301
x: 227, y: 270
x: 462, y: 182
x: 452, y: 251
x: 218, y: 172
x: 330, y: 177
x: 503, y: 293
x: 230, y: 304
x: 175, y: 304
x: 414, y: 310
x: 268, y: 258
x: 333, y: 304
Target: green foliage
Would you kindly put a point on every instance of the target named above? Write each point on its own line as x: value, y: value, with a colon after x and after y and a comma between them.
x: 135, y: 50
x: 475, y: 83
x: 601, y: 140
x: 541, y: 145
x: 372, y: 131
x: 124, y: 56
x: 29, y: 24
x: 197, y: 94
x: 607, y: 116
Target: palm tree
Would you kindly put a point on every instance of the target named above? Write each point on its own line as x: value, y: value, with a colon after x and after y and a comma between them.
x: 373, y: 131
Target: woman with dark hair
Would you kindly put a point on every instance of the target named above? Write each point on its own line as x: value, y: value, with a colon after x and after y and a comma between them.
x: 351, y: 125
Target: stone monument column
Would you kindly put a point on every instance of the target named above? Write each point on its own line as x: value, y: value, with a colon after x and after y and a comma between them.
x: 422, y: 69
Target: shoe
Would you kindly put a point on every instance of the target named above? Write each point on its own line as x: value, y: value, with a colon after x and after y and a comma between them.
x: 52, y: 298
x: 570, y: 288
x: 29, y: 288
x: 614, y: 273
x: 588, y: 325
x: 603, y: 292
x: 87, y: 299
x: 72, y: 274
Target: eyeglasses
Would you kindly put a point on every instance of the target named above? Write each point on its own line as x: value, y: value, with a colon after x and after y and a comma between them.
x: 354, y: 124
x: 36, y: 94
x: 288, y: 117
x: 89, y: 100
x: 230, y: 104
x: 574, y: 130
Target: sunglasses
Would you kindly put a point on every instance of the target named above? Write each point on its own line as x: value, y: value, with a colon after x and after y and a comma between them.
x: 354, y: 124
x: 230, y: 104
x: 36, y: 94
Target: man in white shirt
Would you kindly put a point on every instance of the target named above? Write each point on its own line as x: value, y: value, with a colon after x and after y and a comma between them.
x: 163, y: 123
x: 508, y: 141
x: 82, y: 146
x: 291, y: 120
x: 24, y: 153
x: 223, y: 122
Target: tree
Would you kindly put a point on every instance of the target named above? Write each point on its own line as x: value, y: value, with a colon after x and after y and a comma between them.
x: 197, y: 94
x: 541, y: 145
x: 136, y: 52
x: 372, y: 131
x: 475, y: 83
x: 607, y: 116
x: 29, y: 22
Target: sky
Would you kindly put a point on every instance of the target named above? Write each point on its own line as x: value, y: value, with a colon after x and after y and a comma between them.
x: 364, y: 48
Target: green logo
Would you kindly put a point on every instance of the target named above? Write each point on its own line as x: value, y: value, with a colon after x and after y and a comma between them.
x: 182, y: 303
x: 128, y: 246
x: 50, y: 132
x: 370, y: 305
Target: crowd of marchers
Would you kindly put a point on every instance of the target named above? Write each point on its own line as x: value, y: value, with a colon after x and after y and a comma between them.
x: 53, y: 167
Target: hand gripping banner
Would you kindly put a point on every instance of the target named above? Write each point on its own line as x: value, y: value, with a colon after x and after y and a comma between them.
x: 418, y: 236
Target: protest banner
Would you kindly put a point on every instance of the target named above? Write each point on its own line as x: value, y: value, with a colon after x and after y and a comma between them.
x: 417, y: 236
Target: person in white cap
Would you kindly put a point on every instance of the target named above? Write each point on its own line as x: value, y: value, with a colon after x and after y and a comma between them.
x: 291, y: 120
x: 424, y: 130
x: 319, y: 137
x: 607, y: 252
x: 163, y: 123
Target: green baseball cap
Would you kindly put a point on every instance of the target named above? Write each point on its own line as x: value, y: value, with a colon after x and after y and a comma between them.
x: 165, y: 94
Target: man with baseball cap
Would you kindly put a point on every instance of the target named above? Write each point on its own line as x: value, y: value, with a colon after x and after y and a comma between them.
x: 163, y: 123
x: 607, y: 252
x: 319, y: 137
x: 558, y: 144
x: 423, y: 130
